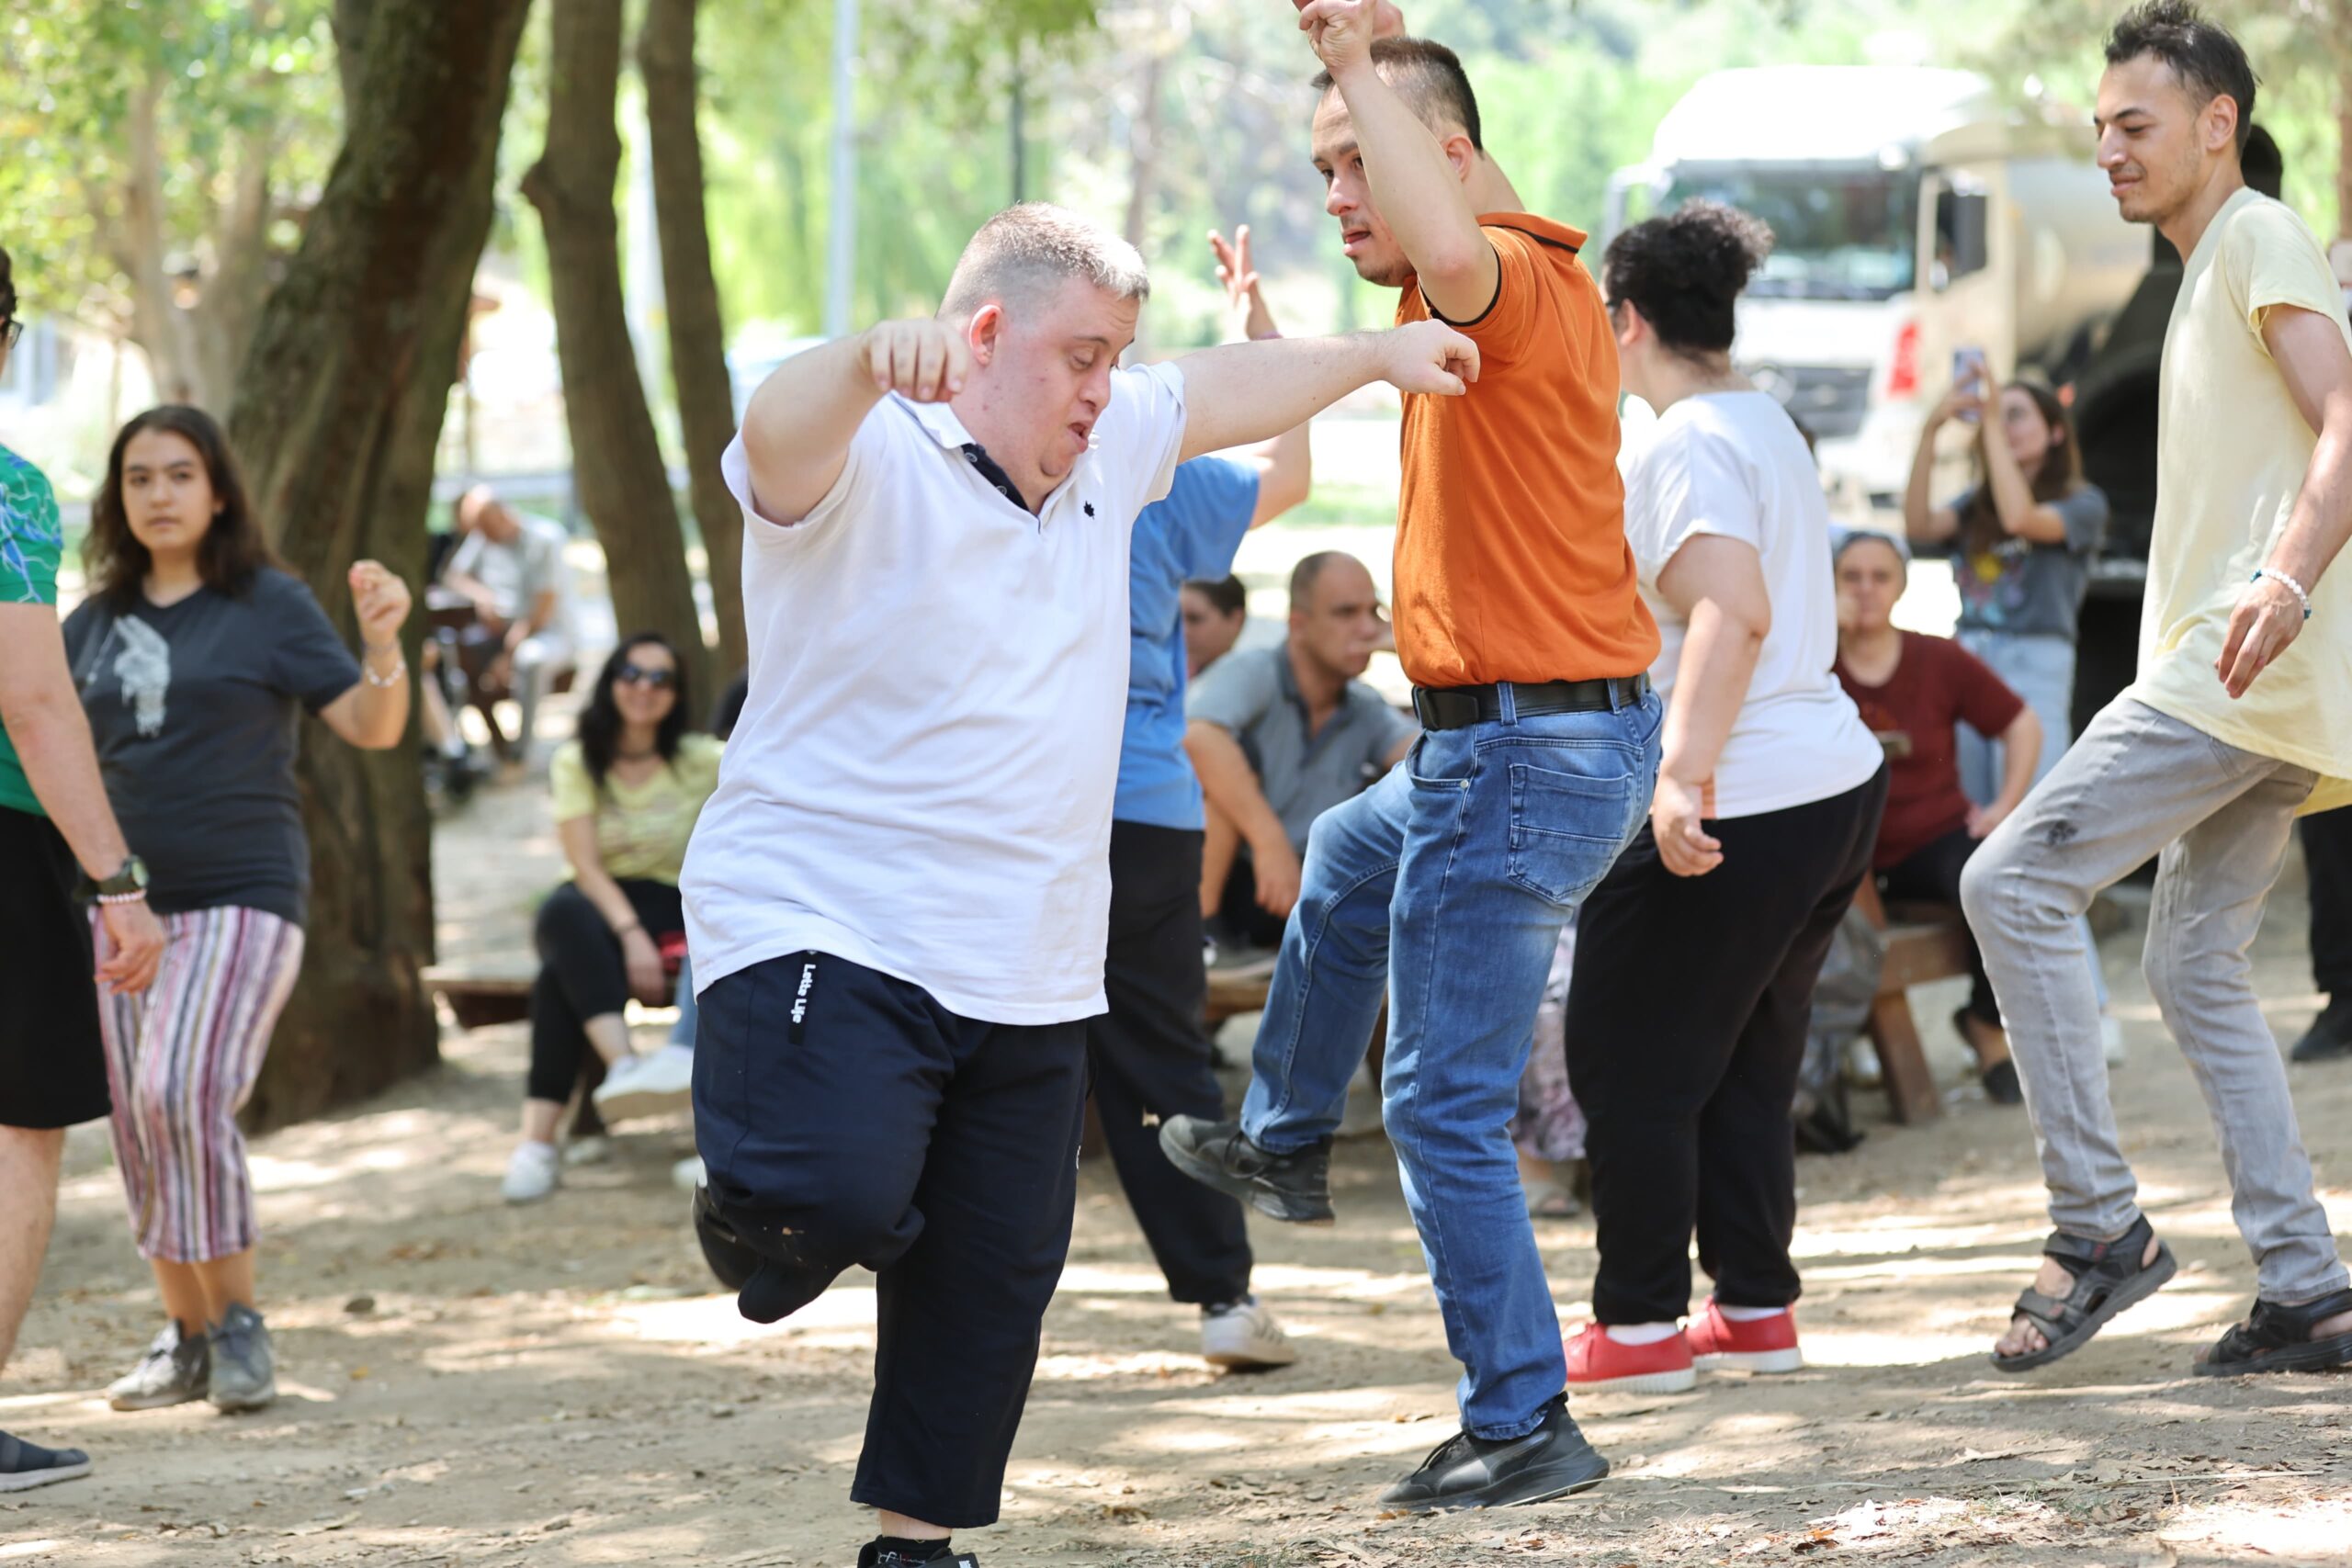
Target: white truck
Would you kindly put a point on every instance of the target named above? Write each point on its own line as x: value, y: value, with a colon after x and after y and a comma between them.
x: 1914, y: 213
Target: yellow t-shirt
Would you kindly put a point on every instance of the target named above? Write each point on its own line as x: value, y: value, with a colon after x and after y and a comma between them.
x: 641, y: 829
x: 2232, y: 452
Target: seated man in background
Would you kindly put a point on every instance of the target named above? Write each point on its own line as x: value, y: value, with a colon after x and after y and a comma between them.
x: 1281, y: 735
x: 512, y: 567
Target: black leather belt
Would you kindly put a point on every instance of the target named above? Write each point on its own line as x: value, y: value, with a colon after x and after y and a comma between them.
x: 1454, y: 708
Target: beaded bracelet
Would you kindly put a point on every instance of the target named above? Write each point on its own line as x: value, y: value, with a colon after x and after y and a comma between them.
x: 2293, y: 586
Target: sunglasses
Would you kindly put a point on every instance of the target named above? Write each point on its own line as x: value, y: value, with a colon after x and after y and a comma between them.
x: 10, y: 331
x: 639, y: 675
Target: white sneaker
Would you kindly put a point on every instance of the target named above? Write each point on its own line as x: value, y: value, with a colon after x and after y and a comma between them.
x: 594, y: 1149
x: 648, y: 1085
x: 689, y: 1174
x: 1245, y: 1336
x: 532, y: 1173
x: 1862, y: 1067
x: 2111, y: 1041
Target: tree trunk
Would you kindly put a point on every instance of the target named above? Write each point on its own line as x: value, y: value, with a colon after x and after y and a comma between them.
x: 618, y: 472
x: 336, y: 418
x: 665, y: 59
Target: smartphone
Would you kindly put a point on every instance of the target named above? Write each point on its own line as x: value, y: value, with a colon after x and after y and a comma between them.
x: 1970, y: 370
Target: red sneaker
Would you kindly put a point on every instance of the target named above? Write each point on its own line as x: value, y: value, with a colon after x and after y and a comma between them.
x: 1597, y: 1361
x: 1760, y: 1345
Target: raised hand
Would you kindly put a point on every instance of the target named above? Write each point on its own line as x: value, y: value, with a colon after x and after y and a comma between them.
x: 1243, y: 300
x: 1341, y: 31
x: 1429, y: 356
x: 922, y: 360
x: 381, y: 601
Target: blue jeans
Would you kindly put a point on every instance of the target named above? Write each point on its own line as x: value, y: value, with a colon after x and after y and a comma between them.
x: 1445, y: 884
x: 2039, y: 669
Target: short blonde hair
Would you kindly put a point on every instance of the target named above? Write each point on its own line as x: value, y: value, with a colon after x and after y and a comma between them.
x: 1024, y: 252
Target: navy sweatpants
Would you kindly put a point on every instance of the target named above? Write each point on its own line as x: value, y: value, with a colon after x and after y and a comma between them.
x: 847, y: 1118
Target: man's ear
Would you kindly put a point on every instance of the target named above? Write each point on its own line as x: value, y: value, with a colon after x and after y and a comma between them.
x: 1461, y: 154
x: 2221, y: 122
x: 983, y: 331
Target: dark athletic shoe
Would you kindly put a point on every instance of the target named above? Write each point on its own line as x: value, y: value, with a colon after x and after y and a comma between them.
x: 1295, y: 1188
x: 872, y: 1556
x: 24, y: 1465
x: 2329, y: 1039
x: 1465, y: 1472
x: 730, y: 1259
x: 245, y: 1369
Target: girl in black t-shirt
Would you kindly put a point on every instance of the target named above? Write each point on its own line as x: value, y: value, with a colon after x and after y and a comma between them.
x: 195, y: 654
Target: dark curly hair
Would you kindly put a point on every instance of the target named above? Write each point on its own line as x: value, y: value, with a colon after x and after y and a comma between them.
x: 7, y: 288
x: 1683, y: 271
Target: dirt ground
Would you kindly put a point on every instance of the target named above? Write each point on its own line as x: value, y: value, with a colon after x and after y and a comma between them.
x: 465, y: 1382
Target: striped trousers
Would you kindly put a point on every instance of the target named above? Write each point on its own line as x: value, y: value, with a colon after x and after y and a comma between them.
x: 181, y: 1059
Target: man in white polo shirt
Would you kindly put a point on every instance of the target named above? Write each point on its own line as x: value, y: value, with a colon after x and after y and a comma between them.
x: 898, y: 899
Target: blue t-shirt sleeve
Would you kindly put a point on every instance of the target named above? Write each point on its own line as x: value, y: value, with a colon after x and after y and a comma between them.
x: 1206, y: 515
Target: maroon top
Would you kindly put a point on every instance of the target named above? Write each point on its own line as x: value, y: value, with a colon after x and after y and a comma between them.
x: 1937, y: 684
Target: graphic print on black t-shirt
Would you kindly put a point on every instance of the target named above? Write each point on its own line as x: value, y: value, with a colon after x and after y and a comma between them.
x: 195, y: 708
x: 144, y: 668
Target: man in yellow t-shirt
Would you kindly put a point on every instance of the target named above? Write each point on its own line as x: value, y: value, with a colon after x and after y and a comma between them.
x: 2240, y: 719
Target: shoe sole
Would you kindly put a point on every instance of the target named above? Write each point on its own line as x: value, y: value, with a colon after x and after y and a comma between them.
x: 1273, y: 1204
x: 26, y: 1480
x: 519, y: 1199
x: 1242, y: 1361
x: 1763, y: 1361
x: 152, y: 1400
x: 1526, y: 1493
x: 629, y: 1105
x: 1681, y: 1380
x: 2318, y: 1356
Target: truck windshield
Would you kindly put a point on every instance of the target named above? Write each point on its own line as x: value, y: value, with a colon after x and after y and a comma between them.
x: 1838, y: 232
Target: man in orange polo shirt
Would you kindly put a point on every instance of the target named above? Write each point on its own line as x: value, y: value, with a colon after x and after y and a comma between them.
x: 1518, y: 620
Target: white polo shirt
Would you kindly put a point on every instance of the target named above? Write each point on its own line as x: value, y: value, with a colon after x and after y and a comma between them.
x: 921, y: 781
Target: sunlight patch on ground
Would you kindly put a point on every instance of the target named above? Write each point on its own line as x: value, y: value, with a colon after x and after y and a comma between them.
x: 2316, y: 1532
x: 845, y: 1313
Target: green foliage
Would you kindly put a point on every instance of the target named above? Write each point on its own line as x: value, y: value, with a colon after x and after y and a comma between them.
x: 231, y: 75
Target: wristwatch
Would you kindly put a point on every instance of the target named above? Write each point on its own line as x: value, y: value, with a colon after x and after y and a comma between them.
x: 124, y: 886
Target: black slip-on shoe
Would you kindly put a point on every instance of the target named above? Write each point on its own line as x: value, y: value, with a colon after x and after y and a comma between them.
x: 2329, y: 1039
x: 1295, y: 1188
x: 1465, y: 1472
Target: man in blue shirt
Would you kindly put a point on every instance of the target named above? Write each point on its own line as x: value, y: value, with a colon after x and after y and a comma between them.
x: 1149, y: 1054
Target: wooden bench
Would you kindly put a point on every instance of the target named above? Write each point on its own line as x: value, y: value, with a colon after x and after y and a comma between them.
x: 1924, y: 943
x: 479, y: 1001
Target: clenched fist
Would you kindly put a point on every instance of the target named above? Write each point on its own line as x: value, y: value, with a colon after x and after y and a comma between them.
x: 923, y: 360
x: 382, y: 602
x: 1429, y: 356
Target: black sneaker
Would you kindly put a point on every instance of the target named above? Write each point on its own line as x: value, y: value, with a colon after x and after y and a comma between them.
x: 24, y: 1465
x: 729, y: 1258
x: 1465, y: 1472
x: 2330, y: 1036
x: 1295, y: 1188
x: 872, y: 1556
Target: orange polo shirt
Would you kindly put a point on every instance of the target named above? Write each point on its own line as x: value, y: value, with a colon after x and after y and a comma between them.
x: 1511, y: 560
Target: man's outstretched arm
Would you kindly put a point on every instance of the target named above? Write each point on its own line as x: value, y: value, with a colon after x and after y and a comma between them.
x: 1414, y: 183
x: 1242, y: 393
x: 798, y: 426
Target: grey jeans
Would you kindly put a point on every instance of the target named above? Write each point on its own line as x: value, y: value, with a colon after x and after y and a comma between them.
x: 2136, y: 783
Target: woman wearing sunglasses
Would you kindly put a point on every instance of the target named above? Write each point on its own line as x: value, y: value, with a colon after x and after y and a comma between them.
x: 626, y: 793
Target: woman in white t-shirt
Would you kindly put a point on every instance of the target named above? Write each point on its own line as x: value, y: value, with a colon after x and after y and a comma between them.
x: 1697, y: 956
